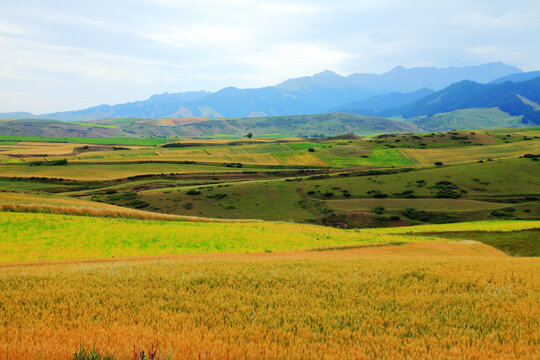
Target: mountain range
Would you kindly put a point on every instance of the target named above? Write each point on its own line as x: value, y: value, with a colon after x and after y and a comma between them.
x: 319, y: 93
x: 514, y: 98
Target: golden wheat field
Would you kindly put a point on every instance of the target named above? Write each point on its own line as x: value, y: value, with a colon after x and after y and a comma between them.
x: 343, y: 304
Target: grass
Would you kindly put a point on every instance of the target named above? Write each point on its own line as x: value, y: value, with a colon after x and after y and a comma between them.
x: 465, y: 154
x: 421, y: 204
x: 515, y: 243
x: 482, y: 226
x: 501, y: 177
x: 468, y: 119
x: 334, y: 305
x: 269, y: 200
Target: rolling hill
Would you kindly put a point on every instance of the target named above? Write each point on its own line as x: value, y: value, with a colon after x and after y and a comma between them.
x: 304, y: 125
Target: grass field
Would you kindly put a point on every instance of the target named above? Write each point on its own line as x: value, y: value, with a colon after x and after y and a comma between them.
x: 515, y: 243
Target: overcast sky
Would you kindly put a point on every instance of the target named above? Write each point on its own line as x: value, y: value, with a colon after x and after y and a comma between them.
x: 60, y: 55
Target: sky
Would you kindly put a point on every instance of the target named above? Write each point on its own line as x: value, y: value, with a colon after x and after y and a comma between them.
x: 59, y: 55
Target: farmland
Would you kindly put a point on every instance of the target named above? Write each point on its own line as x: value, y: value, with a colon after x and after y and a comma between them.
x: 433, y: 301
x: 296, y: 248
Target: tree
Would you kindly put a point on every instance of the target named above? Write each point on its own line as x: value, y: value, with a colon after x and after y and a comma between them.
x: 249, y: 135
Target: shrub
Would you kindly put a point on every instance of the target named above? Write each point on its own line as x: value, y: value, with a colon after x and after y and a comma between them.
x: 438, y: 163
x: 217, y: 196
x: 90, y: 354
x: 193, y: 192
x: 311, y: 150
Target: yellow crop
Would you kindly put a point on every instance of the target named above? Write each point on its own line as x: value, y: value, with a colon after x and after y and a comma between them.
x: 337, y: 305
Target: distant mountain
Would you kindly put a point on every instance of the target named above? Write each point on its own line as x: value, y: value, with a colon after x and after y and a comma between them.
x: 16, y: 115
x: 522, y: 76
x: 401, y: 79
x: 304, y: 95
x: 516, y: 99
x: 155, y: 106
x: 295, y: 125
x: 378, y: 103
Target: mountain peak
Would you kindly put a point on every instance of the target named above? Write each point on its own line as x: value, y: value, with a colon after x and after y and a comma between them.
x: 398, y: 68
x: 326, y: 74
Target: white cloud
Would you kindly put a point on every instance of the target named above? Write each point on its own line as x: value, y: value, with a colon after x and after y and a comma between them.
x: 117, y: 50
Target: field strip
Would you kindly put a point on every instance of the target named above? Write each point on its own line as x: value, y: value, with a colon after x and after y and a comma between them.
x: 431, y: 249
x: 488, y: 225
x: 34, y: 236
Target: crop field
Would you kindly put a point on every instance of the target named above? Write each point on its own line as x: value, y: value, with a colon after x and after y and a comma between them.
x: 433, y: 301
x: 104, y: 141
x: 465, y: 154
x: 108, y: 171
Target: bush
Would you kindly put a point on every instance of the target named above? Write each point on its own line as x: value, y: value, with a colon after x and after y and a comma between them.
x: 438, y: 163
x: 311, y: 150
x: 217, y: 196
x: 193, y: 192
x: 48, y: 163
x: 90, y: 354
x: 378, y: 210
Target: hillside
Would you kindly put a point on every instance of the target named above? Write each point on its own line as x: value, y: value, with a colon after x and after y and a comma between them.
x: 304, y: 95
x: 305, y: 125
x: 516, y: 99
x: 485, y: 118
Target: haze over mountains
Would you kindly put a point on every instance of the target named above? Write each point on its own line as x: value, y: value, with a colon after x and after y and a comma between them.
x: 319, y: 93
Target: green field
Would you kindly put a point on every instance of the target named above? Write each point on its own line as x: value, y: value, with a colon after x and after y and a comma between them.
x: 32, y: 237
x: 104, y: 141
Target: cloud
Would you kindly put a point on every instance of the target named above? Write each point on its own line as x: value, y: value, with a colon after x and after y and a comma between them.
x: 118, y: 50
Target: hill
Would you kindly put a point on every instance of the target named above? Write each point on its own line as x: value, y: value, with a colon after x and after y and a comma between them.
x: 484, y: 118
x: 516, y: 99
x: 320, y: 124
x: 304, y: 95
